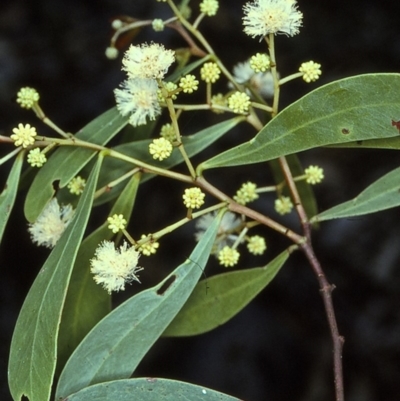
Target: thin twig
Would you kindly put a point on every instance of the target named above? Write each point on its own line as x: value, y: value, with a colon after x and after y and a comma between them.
x: 326, y: 291
x: 325, y: 287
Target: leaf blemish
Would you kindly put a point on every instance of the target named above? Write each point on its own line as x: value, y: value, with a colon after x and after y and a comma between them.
x: 162, y: 290
x: 396, y: 124
x: 345, y: 131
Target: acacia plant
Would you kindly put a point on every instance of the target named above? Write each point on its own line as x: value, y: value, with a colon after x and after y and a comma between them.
x: 67, y: 320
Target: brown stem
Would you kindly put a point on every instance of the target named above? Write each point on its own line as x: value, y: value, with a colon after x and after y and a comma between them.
x: 325, y: 287
x: 241, y: 209
x: 326, y: 291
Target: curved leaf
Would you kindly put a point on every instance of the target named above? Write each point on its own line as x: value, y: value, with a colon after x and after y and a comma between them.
x: 382, y: 194
x: 149, y: 389
x: 117, y: 344
x: 87, y: 303
x: 33, y: 347
x: 7, y: 196
x: 348, y: 110
x: 66, y: 162
x: 227, y: 294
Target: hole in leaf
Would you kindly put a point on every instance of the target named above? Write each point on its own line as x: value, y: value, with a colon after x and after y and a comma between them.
x: 166, y: 285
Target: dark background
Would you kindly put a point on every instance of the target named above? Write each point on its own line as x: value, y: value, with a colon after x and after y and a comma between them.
x: 279, y: 347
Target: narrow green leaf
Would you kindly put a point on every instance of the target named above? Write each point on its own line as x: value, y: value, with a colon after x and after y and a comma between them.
x: 87, y: 303
x: 383, y: 194
x: 194, y: 144
x: 33, y: 348
x: 385, y: 143
x: 116, y: 345
x: 149, y: 389
x: 348, y: 110
x: 227, y: 294
x: 66, y: 162
x: 7, y: 196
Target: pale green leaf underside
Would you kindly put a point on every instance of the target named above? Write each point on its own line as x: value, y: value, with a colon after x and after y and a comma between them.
x: 33, y: 348
x: 116, y: 345
x: 383, y: 194
x: 149, y: 389
x: 66, y: 162
x: 7, y: 196
x: 216, y: 300
x: 348, y: 110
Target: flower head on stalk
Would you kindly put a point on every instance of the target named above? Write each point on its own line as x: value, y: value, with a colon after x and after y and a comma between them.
x: 138, y: 99
x: 112, y: 268
x: 147, y: 61
x: 263, y: 17
x: 160, y: 148
x: 36, y: 158
x: 27, y: 97
x: 193, y: 198
x: 77, y: 185
x: 228, y: 257
x: 50, y: 224
x: 311, y: 71
x: 24, y: 135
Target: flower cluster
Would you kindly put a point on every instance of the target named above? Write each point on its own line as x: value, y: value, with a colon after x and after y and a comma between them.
x: 147, y: 61
x: 160, y: 148
x: 36, y: 158
x: 209, y: 7
x: 260, y: 62
x: 138, y: 95
x: 228, y: 257
x: 76, y: 185
x: 247, y: 193
x: 218, y: 100
x: 256, y: 245
x: 314, y: 175
x: 189, y: 83
x: 24, y: 135
x: 158, y: 25
x: 138, y: 99
x: 210, y: 72
x: 27, y: 97
x: 239, y: 102
x: 149, y: 247
x: 264, y: 17
x: 283, y: 205
x: 112, y: 268
x: 50, y: 224
x: 168, y: 132
x: 117, y: 223
x: 311, y: 71
x: 193, y: 198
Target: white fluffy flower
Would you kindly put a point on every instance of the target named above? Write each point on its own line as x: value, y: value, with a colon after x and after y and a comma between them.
x: 138, y: 98
x: 259, y: 82
x: 226, y: 234
x: 262, y: 17
x: 50, y: 224
x: 147, y: 61
x: 112, y: 268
